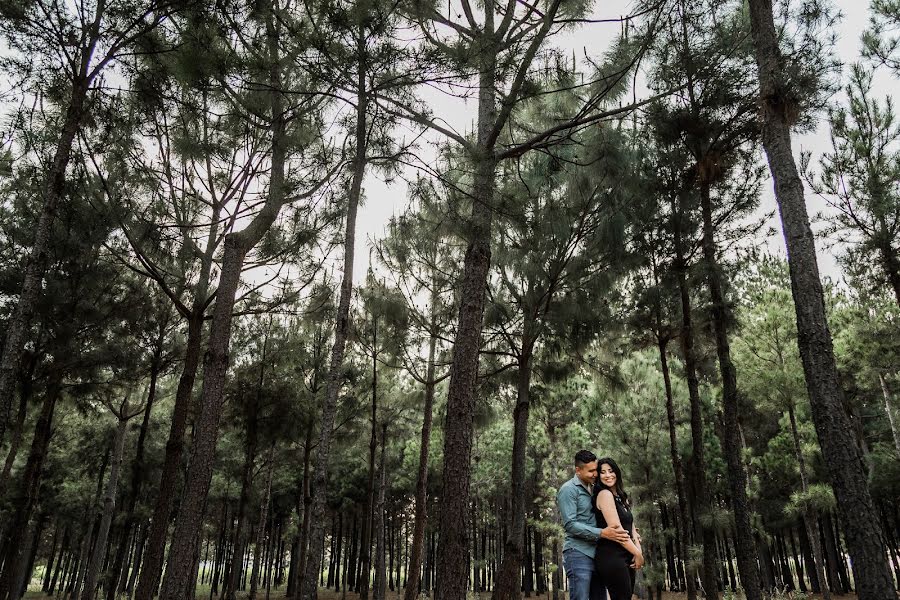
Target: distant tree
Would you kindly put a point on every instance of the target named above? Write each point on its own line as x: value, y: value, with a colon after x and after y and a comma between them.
x: 422, y: 255
x: 714, y: 120
x: 358, y: 54
x: 766, y: 349
x: 860, y: 178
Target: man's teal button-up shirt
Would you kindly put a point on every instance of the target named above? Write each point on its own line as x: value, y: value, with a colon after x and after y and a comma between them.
x: 574, y: 502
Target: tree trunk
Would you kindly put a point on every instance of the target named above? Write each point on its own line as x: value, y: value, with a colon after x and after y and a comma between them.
x: 24, y: 500
x: 745, y: 549
x: 261, y: 528
x: 846, y: 469
x: 137, y: 478
x: 61, y: 563
x: 420, y: 519
x: 234, y: 578
x: 152, y: 563
x: 453, y: 533
x: 378, y: 523
x: 18, y: 430
x: 55, y: 554
x: 309, y: 590
x: 701, y: 500
x: 109, y: 507
x: 180, y: 576
x: 683, y: 512
x: 54, y: 188
x: 809, y: 517
x: 366, y: 556
x: 509, y: 580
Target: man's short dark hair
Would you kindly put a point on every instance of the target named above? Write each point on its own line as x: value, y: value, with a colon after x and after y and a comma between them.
x: 583, y: 457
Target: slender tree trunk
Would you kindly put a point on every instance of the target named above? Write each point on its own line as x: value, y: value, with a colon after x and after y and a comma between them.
x: 378, y: 523
x: 24, y: 500
x: 51, y: 559
x: 683, y: 512
x: 767, y: 571
x: 307, y: 507
x: 366, y: 556
x: 731, y: 438
x: 309, y: 589
x: 221, y: 553
x: 152, y: 562
x: 261, y: 528
x: 81, y: 566
x: 179, y: 577
x: 846, y: 469
x: 809, y: 517
x: 61, y: 563
x: 420, y: 518
x: 109, y: 507
x: 509, y: 580
x: 237, y: 559
x: 701, y: 500
x: 137, y: 476
x: 136, y: 562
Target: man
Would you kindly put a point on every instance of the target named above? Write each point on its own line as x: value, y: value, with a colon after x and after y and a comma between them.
x: 574, y: 500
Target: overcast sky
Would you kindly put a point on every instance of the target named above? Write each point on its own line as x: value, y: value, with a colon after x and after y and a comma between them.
x: 383, y: 201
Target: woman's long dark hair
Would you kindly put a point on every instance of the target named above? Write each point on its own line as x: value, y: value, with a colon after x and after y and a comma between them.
x: 619, y: 488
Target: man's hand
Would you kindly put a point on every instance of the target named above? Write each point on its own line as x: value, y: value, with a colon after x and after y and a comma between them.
x: 638, y: 561
x: 637, y: 536
x: 616, y: 534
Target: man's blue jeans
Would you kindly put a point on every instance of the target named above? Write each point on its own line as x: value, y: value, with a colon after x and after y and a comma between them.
x: 580, y: 570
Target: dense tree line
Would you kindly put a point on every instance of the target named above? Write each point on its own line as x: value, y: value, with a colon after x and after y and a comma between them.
x: 197, y: 398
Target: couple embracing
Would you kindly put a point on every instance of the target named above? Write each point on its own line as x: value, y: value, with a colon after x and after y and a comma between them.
x: 602, y: 550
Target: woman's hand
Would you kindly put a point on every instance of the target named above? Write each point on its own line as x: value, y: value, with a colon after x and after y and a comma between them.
x: 638, y: 561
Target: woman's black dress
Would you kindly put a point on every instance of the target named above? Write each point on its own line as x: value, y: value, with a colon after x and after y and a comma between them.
x: 612, y: 561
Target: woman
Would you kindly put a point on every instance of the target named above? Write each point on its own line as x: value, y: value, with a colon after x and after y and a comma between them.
x: 614, y: 562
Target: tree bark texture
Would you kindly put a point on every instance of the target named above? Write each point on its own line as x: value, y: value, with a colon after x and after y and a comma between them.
x: 452, y: 574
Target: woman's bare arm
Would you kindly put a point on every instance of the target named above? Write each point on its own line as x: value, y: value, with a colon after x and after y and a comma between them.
x: 606, y: 504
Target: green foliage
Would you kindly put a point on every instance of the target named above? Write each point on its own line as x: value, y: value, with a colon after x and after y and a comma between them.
x: 859, y: 179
